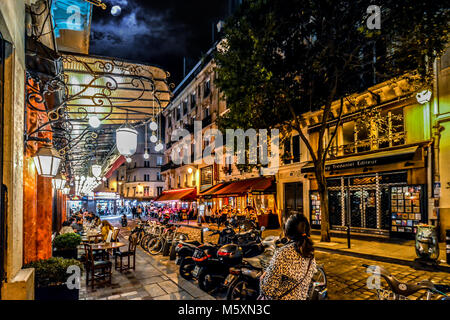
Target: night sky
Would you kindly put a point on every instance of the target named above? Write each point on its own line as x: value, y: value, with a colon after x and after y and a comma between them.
x: 157, y: 32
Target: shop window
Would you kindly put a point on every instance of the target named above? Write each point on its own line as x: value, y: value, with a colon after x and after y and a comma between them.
x: 146, y: 191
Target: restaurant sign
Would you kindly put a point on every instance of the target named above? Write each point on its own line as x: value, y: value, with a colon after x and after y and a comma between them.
x: 363, y: 162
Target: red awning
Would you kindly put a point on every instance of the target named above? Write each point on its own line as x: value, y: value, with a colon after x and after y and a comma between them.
x: 246, y: 186
x: 189, y: 194
x: 210, y: 191
x: 121, y: 160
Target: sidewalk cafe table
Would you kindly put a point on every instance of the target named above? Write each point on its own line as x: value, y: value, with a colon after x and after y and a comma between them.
x: 107, y: 246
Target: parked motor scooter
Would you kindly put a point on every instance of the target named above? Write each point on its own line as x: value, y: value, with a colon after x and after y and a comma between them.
x: 213, y: 264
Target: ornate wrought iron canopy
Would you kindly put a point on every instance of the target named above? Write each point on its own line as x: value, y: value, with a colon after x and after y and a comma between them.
x: 115, y: 91
x: 112, y: 90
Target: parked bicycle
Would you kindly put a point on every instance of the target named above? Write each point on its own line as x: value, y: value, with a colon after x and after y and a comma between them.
x: 394, y: 289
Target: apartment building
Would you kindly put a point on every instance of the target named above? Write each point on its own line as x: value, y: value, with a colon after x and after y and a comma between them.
x: 140, y: 179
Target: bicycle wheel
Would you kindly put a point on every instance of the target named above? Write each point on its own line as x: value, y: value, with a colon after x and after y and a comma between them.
x: 155, y: 246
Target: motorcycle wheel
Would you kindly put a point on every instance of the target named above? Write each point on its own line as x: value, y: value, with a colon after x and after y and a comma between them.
x: 241, y: 290
x: 186, y: 267
x: 204, y: 283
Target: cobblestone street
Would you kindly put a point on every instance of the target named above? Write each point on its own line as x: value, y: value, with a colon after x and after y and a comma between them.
x: 156, y: 277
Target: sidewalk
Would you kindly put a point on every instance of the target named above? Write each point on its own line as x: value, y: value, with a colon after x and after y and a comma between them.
x: 399, y: 253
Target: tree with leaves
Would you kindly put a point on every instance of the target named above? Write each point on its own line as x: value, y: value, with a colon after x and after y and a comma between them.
x: 281, y: 59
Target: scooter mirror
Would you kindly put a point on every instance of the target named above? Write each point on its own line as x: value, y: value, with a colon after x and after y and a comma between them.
x: 205, y: 229
x: 263, y: 228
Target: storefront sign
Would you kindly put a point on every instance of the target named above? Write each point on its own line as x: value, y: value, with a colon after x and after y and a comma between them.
x: 364, y: 163
x: 106, y: 195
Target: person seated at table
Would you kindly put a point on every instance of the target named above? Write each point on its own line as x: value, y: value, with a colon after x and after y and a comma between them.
x: 106, y: 227
x: 78, y: 226
x: 66, y: 228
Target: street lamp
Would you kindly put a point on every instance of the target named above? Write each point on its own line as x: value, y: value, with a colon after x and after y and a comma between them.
x: 59, y: 182
x: 96, y: 170
x: 47, y: 161
x: 126, y: 140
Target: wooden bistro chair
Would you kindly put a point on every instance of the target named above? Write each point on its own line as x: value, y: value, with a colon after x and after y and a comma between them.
x: 97, y: 271
x: 129, y: 254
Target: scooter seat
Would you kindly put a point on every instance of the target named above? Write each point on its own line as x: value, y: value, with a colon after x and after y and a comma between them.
x: 255, y: 262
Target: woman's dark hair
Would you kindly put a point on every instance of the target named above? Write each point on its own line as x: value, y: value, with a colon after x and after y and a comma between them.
x: 297, y: 229
x: 66, y: 223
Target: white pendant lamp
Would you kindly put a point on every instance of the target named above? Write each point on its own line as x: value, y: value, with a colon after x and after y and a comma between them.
x: 126, y: 140
x: 47, y: 161
x: 96, y: 170
x: 153, y: 125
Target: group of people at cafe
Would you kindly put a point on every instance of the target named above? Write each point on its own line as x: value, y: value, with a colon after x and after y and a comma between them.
x: 82, y: 221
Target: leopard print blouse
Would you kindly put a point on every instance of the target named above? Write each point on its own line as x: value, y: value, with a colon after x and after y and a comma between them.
x: 286, y: 269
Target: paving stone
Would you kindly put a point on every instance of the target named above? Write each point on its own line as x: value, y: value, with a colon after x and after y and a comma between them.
x: 182, y: 295
x: 169, y: 286
x: 154, y: 290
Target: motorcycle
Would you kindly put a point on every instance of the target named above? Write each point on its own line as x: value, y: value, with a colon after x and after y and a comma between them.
x: 213, y: 263
x: 185, y: 250
x: 243, y: 280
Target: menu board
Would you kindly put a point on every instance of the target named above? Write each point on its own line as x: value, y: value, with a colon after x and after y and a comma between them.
x: 315, y: 209
x: 407, y: 209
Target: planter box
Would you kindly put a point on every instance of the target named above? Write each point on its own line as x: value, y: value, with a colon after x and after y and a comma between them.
x: 66, y: 254
x: 60, y: 292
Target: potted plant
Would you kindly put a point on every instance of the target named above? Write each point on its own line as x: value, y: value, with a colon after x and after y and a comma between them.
x: 51, y: 280
x: 66, y: 245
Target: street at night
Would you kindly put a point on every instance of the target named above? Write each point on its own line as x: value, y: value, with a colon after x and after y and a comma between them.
x: 225, y: 158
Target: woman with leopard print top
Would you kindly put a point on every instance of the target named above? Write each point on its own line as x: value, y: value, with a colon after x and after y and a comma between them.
x: 292, y: 267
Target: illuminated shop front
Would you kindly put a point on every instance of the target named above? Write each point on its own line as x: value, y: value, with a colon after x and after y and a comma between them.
x: 107, y: 203
x: 258, y: 193
x: 388, y: 202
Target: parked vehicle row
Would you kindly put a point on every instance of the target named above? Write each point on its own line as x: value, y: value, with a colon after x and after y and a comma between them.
x: 233, y: 265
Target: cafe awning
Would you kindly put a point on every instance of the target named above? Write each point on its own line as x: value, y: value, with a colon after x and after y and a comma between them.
x: 242, y: 187
x: 189, y: 194
x: 372, y: 159
x: 210, y: 191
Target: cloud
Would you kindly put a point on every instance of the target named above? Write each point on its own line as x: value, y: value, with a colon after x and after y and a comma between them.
x: 154, y: 32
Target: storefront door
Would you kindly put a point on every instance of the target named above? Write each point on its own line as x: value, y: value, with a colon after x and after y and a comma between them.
x: 363, y: 207
x: 293, y: 197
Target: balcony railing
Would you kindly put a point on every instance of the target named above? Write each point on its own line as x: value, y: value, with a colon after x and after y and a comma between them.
x: 168, y: 166
x: 395, y: 139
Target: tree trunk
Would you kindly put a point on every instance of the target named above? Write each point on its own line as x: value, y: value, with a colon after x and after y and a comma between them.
x: 323, y: 193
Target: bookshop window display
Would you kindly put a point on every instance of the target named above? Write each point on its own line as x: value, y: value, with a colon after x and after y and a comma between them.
x: 377, y: 204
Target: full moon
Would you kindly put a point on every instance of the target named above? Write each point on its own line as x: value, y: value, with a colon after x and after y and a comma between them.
x: 116, y: 10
